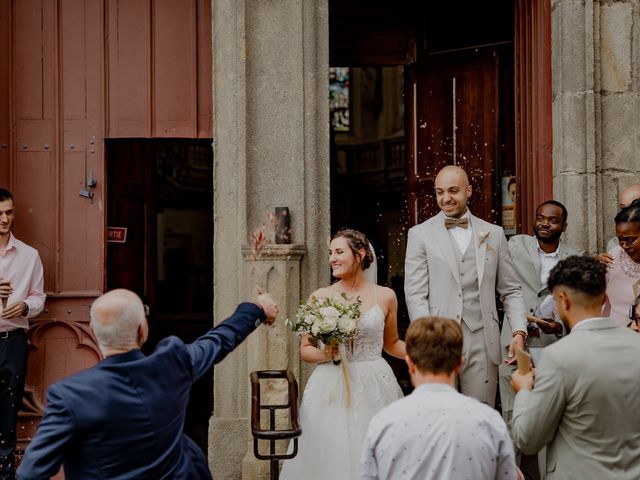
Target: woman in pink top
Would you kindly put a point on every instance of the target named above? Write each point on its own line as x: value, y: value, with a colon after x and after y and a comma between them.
x: 623, y: 280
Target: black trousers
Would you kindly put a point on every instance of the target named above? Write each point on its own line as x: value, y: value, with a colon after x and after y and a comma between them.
x: 13, y: 369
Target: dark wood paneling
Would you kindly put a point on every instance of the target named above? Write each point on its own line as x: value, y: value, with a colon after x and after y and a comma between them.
x: 433, y: 141
x: 378, y: 32
x: 57, y: 99
x: 82, y: 110
x: 534, y: 162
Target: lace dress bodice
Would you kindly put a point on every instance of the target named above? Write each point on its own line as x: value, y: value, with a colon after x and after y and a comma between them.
x: 368, y: 341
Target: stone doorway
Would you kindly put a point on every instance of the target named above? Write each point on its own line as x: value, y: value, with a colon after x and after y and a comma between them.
x: 160, y: 190
x: 415, y: 86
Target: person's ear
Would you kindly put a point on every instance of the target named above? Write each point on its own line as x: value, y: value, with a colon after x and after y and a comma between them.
x: 143, y: 332
x: 458, y: 367
x: 469, y: 191
x: 565, y: 300
x: 410, y: 364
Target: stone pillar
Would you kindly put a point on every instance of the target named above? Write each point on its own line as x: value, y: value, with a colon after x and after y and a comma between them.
x: 271, y: 149
x: 596, y: 112
x: 276, y: 268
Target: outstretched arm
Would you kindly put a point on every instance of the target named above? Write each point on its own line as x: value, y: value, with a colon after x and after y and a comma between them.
x: 545, y: 401
x: 212, y: 347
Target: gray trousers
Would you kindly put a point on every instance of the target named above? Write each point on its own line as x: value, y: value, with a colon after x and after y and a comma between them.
x: 479, y: 376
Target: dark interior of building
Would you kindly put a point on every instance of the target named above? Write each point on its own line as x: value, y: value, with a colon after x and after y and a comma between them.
x: 409, y: 85
x: 162, y: 189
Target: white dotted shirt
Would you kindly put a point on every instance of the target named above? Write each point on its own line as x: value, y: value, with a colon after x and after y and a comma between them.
x: 437, y: 433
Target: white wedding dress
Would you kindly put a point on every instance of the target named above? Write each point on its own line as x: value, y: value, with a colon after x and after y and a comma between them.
x: 332, y: 431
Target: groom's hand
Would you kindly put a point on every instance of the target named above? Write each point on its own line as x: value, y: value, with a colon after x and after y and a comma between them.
x: 269, y: 307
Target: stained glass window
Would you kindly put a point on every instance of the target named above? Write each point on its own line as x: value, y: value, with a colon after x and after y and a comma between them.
x: 339, y: 98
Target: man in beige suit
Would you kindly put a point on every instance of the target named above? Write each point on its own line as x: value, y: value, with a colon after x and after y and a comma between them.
x: 454, y: 265
x: 533, y: 258
x: 585, y: 402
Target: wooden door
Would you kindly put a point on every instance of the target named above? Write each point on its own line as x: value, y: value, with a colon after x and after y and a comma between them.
x: 54, y: 138
x: 56, y: 81
x: 453, y: 118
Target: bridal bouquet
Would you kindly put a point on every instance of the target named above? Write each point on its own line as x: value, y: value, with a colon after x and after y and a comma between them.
x: 327, y: 321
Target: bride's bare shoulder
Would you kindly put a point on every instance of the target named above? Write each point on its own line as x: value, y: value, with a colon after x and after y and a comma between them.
x: 386, y: 294
x: 321, y: 293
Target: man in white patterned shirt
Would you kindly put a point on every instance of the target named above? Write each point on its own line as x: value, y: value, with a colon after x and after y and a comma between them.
x: 436, y: 432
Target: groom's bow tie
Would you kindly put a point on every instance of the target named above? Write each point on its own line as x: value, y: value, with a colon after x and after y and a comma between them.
x: 456, y: 222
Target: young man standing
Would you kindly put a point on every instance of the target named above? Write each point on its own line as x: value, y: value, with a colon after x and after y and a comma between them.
x: 583, y: 403
x: 437, y: 432
x: 21, y: 292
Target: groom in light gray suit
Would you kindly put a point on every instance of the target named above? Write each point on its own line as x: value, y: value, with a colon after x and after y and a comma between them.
x: 584, y: 403
x: 455, y: 264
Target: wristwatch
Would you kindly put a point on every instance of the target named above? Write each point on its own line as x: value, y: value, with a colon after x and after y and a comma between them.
x: 25, y: 310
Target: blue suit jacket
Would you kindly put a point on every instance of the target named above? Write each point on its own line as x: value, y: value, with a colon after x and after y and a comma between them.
x: 123, y: 418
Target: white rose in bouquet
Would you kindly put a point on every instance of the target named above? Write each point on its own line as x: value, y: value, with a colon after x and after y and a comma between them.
x: 346, y: 324
x: 315, y: 328
x: 330, y: 314
x: 329, y: 319
x: 309, y: 320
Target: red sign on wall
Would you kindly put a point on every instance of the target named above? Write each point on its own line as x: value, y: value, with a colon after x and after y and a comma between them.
x: 116, y: 234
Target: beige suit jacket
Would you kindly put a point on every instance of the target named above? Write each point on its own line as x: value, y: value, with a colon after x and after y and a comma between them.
x: 526, y: 262
x: 585, y: 405
x: 432, y: 279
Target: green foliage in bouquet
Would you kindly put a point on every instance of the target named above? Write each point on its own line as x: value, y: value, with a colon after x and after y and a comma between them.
x: 328, y: 320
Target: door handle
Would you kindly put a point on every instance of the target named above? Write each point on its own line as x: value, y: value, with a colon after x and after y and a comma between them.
x: 91, y: 183
x: 86, y: 194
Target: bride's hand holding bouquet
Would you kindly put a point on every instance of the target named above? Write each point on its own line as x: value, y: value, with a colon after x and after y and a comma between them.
x: 328, y: 322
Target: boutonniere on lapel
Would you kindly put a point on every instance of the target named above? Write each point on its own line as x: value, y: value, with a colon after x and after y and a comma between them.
x: 482, y: 237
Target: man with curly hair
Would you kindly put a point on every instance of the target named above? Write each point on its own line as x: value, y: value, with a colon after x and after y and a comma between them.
x: 584, y: 402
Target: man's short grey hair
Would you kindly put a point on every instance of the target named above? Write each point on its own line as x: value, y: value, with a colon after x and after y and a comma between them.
x: 121, y: 331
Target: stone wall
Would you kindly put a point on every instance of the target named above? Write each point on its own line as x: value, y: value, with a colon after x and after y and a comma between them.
x: 271, y: 149
x: 596, y: 112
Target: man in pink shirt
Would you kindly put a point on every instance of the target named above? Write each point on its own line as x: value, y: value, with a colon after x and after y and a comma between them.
x: 22, y: 297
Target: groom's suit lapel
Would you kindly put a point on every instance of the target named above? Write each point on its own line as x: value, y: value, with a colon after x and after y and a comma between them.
x: 443, y: 241
x: 480, y: 247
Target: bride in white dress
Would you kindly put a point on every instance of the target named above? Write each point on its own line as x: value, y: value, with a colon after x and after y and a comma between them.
x: 332, y: 429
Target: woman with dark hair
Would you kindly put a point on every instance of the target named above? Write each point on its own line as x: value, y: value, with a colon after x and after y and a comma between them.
x: 623, y: 277
x: 334, y: 420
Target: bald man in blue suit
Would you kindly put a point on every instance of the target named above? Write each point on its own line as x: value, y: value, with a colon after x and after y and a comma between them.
x: 124, y: 417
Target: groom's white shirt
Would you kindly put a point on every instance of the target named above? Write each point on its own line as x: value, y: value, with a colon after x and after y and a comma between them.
x: 437, y: 432
x: 462, y: 236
